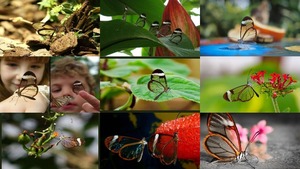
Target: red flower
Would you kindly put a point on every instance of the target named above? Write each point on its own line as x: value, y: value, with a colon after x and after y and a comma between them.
x: 259, y: 77
x: 179, y: 18
x: 279, y: 82
x: 274, y: 95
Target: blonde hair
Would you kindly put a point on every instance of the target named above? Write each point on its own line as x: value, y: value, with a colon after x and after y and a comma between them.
x: 70, y: 67
x: 4, y: 93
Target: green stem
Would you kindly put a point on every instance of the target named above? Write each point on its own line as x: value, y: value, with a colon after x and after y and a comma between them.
x: 275, y: 105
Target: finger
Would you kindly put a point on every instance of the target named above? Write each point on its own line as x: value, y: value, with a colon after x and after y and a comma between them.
x: 89, y: 108
x: 90, y: 99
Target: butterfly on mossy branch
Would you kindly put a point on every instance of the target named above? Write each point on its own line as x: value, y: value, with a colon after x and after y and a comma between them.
x: 158, y: 83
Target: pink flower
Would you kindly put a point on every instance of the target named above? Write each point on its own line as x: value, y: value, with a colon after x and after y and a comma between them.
x: 243, y: 133
x: 263, y: 129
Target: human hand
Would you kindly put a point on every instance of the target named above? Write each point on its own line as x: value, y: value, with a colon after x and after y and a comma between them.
x: 92, y: 105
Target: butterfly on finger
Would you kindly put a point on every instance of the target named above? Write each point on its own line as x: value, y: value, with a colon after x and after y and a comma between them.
x: 158, y: 83
x: 128, y: 148
x: 223, y: 140
x: 77, y: 86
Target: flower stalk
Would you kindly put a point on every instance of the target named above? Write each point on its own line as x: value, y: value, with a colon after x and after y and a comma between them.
x: 278, y: 85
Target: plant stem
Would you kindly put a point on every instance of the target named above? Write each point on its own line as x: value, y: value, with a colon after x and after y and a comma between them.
x: 275, y: 105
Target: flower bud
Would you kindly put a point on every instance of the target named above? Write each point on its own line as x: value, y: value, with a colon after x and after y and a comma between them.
x: 24, y: 138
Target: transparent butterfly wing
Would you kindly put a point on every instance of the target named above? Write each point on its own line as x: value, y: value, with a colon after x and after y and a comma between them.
x: 29, y: 91
x: 70, y: 142
x: 133, y: 151
x: 169, y: 151
x: 115, y: 143
x: 165, y: 29
x: 158, y: 81
x: 28, y: 87
x: 141, y: 21
x: 61, y: 101
x: 247, y: 31
x: 77, y: 86
x: 223, y: 124
x: 241, y: 93
x: 220, y: 147
x: 164, y: 147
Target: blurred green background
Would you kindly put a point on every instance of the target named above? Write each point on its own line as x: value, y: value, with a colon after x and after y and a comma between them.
x: 219, y: 16
x: 219, y: 75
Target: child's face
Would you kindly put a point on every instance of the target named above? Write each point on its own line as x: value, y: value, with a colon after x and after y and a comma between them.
x: 63, y: 86
x: 12, y: 71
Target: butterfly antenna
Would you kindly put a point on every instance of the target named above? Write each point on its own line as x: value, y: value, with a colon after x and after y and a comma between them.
x: 249, y: 76
x: 253, y: 138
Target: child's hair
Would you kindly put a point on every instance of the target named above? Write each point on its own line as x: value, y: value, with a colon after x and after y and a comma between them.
x: 70, y: 67
x: 4, y: 93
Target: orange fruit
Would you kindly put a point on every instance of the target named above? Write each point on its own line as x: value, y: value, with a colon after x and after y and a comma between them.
x: 261, y: 28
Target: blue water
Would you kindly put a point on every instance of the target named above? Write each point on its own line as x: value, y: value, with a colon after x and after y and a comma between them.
x: 234, y: 50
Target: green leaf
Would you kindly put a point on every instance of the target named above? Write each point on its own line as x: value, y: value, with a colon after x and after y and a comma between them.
x: 105, y: 84
x: 152, y: 9
x: 117, y: 35
x: 167, y: 65
x: 183, y: 48
x: 122, y: 71
x: 179, y: 87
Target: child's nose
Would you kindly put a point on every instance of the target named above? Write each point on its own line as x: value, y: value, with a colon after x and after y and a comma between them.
x: 67, y: 91
x: 20, y: 74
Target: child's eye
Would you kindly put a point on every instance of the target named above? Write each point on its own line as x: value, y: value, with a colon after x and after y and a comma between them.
x: 11, y: 64
x: 35, y: 66
x: 55, y: 90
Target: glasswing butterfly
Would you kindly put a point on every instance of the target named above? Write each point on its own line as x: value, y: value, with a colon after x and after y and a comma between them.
x: 158, y: 83
x: 176, y: 36
x: 77, y: 86
x: 223, y: 140
x: 61, y: 101
x: 165, y: 28
x: 154, y: 30
x: 28, y: 87
x: 44, y: 30
x: 164, y: 147
x: 70, y: 142
x: 247, y: 31
x: 128, y: 148
x: 141, y: 20
x: 241, y: 93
